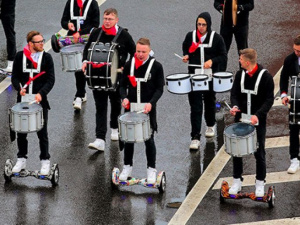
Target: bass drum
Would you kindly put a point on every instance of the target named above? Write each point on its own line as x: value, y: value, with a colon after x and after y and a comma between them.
x: 295, y: 101
x: 101, y: 73
x: 240, y: 139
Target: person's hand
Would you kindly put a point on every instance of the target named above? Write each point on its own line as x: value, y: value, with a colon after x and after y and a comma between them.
x: 220, y: 8
x: 208, y: 64
x: 234, y: 110
x: 23, y: 92
x: 147, y: 108
x: 285, y: 100
x: 76, y: 37
x: 254, y: 120
x: 185, y: 58
x: 38, y: 97
x: 83, y: 67
x: 239, y: 9
x: 71, y: 26
x: 125, y: 103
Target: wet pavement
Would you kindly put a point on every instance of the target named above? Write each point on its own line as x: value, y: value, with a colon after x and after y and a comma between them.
x: 84, y: 194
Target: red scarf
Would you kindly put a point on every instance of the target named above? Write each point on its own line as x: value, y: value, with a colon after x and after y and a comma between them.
x: 27, y: 53
x: 252, y: 72
x: 195, y: 45
x: 110, y: 31
x: 138, y: 62
x: 80, y: 5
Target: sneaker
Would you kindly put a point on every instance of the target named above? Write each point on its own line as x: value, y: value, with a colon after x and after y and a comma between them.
x: 98, y: 144
x: 126, y: 172
x: 77, y: 103
x: 114, y: 135
x: 294, y: 166
x: 45, y: 167
x: 195, y: 144
x: 236, y: 187
x: 84, y: 98
x: 9, y: 67
x: 151, y: 175
x: 210, y: 132
x: 259, y: 188
x: 20, y: 165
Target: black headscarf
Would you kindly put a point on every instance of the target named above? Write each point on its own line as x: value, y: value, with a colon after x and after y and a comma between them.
x: 206, y: 16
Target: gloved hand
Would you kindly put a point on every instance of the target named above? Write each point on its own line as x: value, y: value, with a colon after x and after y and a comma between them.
x: 254, y: 120
x: 239, y: 9
x: 220, y: 8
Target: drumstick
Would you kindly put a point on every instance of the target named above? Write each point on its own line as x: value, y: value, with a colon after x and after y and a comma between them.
x: 140, y: 111
x: 21, y: 86
x: 227, y: 105
x: 30, y: 103
x: 178, y: 56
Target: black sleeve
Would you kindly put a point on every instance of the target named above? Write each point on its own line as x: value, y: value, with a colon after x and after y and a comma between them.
x: 159, y: 84
x: 92, y: 38
x: 218, y: 4
x: 248, y: 6
x: 129, y: 48
x: 236, y: 90
x: 187, y: 43
x: 284, y: 76
x: 95, y: 18
x: 221, y: 57
x: 17, y: 71
x: 66, y: 17
x: 124, y: 81
x: 49, y: 74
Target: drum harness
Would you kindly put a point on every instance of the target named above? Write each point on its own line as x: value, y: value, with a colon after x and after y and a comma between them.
x: 294, y: 98
x: 78, y: 18
x: 139, y: 80
x: 246, y: 117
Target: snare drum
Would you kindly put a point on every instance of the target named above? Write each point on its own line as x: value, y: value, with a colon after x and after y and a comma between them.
x: 25, y: 118
x: 222, y: 81
x: 102, y: 67
x: 134, y: 127
x: 240, y: 139
x: 200, y: 82
x: 179, y: 83
x: 71, y: 57
x: 295, y: 101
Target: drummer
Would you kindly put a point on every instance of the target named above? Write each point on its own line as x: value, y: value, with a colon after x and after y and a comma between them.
x: 109, y: 30
x: 261, y: 103
x: 215, y: 58
x: 291, y: 68
x: 41, y: 87
x: 150, y: 93
x: 92, y: 20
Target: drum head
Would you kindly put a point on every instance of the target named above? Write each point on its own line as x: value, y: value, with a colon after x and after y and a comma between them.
x: 223, y: 75
x: 199, y: 77
x: 24, y: 107
x: 73, y: 48
x: 133, y: 117
x: 178, y: 76
x: 114, y: 66
x: 239, y: 129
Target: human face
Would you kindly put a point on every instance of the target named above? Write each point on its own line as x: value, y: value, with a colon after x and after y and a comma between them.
x: 37, y: 43
x: 110, y: 20
x: 202, y: 26
x: 244, y: 62
x: 142, y: 51
x: 297, y: 50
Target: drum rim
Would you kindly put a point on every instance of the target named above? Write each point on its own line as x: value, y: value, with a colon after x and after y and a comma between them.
x: 193, y: 77
x: 69, y: 46
x: 226, y: 76
x: 147, y: 118
x: 37, y: 107
x: 188, y: 75
x: 240, y: 137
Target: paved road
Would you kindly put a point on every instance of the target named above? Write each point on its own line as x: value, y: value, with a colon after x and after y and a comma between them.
x: 84, y: 194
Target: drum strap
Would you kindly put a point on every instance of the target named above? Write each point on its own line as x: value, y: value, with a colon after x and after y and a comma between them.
x: 78, y: 18
x: 114, y: 39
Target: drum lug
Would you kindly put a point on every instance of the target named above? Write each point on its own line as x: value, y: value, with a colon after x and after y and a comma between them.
x: 219, y: 81
x: 179, y: 83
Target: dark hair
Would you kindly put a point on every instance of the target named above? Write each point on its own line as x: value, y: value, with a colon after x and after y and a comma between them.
x: 249, y: 54
x: 144, y: 41
x: 297, y: 40
x: 110, y: 11
x: 31, y: 34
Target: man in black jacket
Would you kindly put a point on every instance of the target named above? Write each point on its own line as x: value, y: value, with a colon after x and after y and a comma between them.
x: 126, y: 46
x: 291, y: 68
x: 41, y: 86
x: 215, y: 58
x: 235, y: 21
x: 89, y: 8
x: 150, y: 92
x: 253, y: 76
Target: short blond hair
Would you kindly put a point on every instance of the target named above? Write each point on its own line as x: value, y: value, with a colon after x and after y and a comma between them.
x: 250, y: 54
x: 144, y: 41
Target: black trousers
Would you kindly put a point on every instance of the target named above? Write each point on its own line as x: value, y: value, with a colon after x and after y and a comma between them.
x: 8, y: 21
x: 150, y: 152
x: 196, y: 106
x: 240, y: 34
x: 80, y: 84
x: 260, y: 156
x: 43, y: 141
x: 101, y: 98
x: 294, y: 140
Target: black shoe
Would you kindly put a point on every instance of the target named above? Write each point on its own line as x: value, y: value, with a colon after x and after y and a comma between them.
x: 54, y: 43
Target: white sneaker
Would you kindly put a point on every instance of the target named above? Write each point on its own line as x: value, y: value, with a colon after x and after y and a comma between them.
x: 195, y: 144
x: 45, y: 168
x: 98, y: 144
x: 9, y: 66
x: 210, y: 132
x: 84, y: 98
x: 114, y: 135
x: 77, y: 103
x: 236, y: 187
x: 151, y: 175
x: 294, y: 166
x: 259, y: 188
x: 20, y: 165
x: 126, y: 172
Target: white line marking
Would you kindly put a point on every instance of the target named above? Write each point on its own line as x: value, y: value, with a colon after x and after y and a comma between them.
x: 5, y: 84
x: 288, y: 221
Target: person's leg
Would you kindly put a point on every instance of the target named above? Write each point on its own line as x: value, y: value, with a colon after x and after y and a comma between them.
x: 43, y: 138
x: 195, y: 100
x: 80, y: 84
x: 227, y: 33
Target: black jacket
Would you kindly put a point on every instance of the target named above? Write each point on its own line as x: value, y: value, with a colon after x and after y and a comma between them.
x: 260, y: 103
x: 42, y: 84
x: 217, y: 53
x: 92, y: 19
x: 226, y: 7
x: 125, y: 42
x: 290, y: 68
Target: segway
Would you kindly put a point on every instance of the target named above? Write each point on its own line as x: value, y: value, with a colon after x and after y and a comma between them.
x: 269, y: 197
x: 53, y: 176
x: 160, y: 181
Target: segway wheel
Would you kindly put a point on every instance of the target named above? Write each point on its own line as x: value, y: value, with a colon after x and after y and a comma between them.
x: 271, y: 201
x: 55, y: 176
x: 163, y: 183
x: 8, y: 170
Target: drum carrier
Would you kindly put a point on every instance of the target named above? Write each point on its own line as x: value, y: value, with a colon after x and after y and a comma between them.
x: 102, y: 65
x: 294, y: 111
